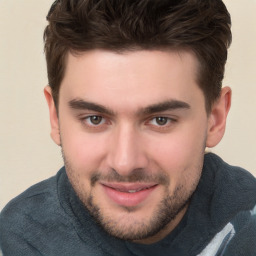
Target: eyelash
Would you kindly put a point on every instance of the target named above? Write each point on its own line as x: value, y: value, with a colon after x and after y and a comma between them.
x: 167, y: 119
x: 87, y: 122
x: 150, y: 121
x: 170, y: 122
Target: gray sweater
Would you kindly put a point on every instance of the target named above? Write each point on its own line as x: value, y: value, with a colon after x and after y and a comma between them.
x: 49, y: 219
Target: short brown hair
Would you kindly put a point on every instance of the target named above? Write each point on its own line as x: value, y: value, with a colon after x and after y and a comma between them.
x: 200, y: 26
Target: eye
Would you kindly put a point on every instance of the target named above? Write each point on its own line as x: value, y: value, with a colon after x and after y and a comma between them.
x: 94, y: 123
x: 94, y: 120
x: 161, y: 121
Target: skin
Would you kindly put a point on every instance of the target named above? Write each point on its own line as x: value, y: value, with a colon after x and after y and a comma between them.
x: 135, y: 119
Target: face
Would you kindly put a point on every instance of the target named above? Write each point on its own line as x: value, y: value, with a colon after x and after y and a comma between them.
x: 133, y: 130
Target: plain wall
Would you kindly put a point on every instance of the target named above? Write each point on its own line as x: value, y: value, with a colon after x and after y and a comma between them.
x: 28, y: 155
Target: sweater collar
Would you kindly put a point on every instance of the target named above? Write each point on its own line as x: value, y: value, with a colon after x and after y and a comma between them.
x: 209, y: 211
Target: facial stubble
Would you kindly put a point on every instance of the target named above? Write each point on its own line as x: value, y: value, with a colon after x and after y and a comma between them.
x: 131, y: 228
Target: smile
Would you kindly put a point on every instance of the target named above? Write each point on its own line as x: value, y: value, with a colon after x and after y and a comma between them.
x: 128, y: 195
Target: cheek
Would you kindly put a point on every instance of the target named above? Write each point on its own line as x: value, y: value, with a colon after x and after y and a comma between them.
x: 83, y: 150
x: 179, y: 151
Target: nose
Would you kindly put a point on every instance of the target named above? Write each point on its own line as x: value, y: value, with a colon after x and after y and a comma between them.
x: 126, y: 152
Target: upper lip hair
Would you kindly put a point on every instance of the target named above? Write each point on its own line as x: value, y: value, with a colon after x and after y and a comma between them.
x: 128, y: 186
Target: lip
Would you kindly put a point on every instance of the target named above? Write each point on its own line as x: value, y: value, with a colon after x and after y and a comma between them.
x: 128, y: 195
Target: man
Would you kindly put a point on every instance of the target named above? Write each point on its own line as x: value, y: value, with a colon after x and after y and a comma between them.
x: 135, y: 96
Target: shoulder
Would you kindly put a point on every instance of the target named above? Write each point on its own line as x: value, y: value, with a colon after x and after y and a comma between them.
x: 34, y: 196
x: 234, y: 192
x: 34, y: 205
x: 230, y: 177
x: 35, y: 223
x: 230, y: 206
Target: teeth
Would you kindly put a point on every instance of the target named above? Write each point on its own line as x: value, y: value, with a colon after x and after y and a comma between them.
x: 132, y: 191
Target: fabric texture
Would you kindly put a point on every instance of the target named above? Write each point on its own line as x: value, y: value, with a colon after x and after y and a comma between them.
x: 49, y: 219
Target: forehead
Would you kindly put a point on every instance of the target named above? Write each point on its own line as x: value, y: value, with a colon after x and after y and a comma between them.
x: 131, y: 78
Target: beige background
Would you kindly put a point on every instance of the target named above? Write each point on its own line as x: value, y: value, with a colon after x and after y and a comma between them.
x: 27, y: 154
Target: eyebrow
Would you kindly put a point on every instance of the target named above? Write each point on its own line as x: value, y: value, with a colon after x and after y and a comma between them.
x: 80, y: 104
x: 165, y: 106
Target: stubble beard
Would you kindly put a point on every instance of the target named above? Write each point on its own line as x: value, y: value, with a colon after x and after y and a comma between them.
x: 132, y: 229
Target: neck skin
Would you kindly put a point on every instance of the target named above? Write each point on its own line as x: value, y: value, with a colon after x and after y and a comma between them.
x: 167, y: 230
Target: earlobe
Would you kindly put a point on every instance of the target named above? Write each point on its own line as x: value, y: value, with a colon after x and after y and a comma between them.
x: 54, y: 120
x: 217, y: 118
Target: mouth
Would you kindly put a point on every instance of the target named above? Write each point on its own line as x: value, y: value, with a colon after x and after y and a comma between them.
x: 128, y: 195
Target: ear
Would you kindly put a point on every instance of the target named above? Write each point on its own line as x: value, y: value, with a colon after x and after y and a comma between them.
x: 55, y: 131
x: 217, y: 118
